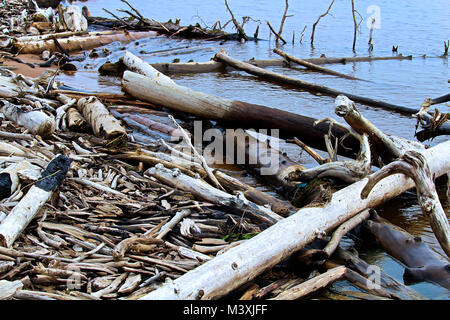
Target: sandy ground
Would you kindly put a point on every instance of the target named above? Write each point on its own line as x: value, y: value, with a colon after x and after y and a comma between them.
x: 24, y: 69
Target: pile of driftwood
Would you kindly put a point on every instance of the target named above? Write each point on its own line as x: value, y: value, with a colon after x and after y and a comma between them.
x: 98, y: 202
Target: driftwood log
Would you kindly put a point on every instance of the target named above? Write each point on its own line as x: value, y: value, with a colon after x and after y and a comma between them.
x: 99, y: 118
x: 36, y: 121
x: 217, y: 277
x: 234, y: 113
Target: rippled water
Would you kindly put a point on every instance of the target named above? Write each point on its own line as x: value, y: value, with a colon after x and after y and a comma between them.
x: 417, y: 27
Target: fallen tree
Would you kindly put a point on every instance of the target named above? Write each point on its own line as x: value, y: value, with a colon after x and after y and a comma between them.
x: 222, y: 56
x: 219, y: 276
x: 234, y: 113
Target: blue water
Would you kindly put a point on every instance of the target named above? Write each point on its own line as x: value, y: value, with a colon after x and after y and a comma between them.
x: 417, y: 27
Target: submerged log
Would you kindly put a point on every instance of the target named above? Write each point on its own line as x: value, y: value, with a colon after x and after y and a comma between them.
x: 423, y: 264
x: 22, y: 214
x: 234, y: 113
x: 279, y: 78
x: 217, y: 277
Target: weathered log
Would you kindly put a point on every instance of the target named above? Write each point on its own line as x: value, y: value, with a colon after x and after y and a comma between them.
x: 22, y: 214
x: 9, y: 179
x: 36, y: 121
x: 79, y: 43
x: 233, y: 113
x: 279, y: 78
x: 75, y: 121
x: 414, y: 165
x: 99, y: 118
x: 312, y: 285
x: 312, y: 66
x: 206, y: 192
x: 73, y: 19
x: 216, y: 66
x: 217, y: 277
x: 423, y: 264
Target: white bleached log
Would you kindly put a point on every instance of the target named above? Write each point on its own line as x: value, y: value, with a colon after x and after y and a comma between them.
x: 206, y: 192
x: 9, y: 288
x: 219, y: 276
x: 22, y: 214
x: 36, y: 121
x: 102, y: 122
x: 137, y: 65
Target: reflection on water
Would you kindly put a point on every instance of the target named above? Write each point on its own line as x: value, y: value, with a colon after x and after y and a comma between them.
x: 406, y: 82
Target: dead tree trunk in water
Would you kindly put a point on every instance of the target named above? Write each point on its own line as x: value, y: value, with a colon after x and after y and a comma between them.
x: 317, y: 21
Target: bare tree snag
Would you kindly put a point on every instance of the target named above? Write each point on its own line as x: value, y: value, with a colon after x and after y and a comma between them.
x: 414, y: 165
x: 36, y: 121
x: 279, y: 78
x: 278, y: 36
x: 206, y: 192
x: 423, y: 264
x: 317, y: 21
x: 312, y: 66
x: 102, y: 122
x: 219, y: 276
x: 312, y: 285
x: 355, y: 25
x: 239, y: 28
x: 386, y: 146
x: 22, y: 214
x: 282, y: 21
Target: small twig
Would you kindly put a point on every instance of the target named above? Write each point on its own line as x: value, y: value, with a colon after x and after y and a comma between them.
x: 275, y: 33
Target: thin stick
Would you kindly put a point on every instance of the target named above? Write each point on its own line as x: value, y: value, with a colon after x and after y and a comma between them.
x: 132, y: 8
x: 317, y: 21
x: 200, y: 157
x: 355, y: 25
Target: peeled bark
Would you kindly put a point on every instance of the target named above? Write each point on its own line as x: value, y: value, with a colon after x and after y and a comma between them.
x: 219, y: 276
x: 30, y: 205
x: 36, y: 121
x: 99, y: 118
